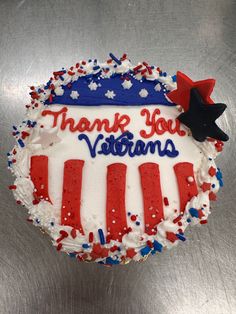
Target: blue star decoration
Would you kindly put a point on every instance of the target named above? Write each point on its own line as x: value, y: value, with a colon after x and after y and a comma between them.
x: 200, y: 118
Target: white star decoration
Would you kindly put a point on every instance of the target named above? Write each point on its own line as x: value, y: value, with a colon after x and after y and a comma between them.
x: 74, y: 94
x: 59, y: 91
x: 93, y: 86
x: 127, y: 84
x: 157, y: 87
x: 47, y: 137
x: 110, y: 94
x: 143, y: 93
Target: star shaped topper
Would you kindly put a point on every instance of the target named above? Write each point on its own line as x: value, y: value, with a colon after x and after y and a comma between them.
x: 200, y: 118
x: 181, y: 95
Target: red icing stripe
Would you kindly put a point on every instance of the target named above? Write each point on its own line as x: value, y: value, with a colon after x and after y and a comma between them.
x: 187, y: 189
x: 115, y: 204
x: 39, y: 177
x: 71, y: 197
x: 152, y: 195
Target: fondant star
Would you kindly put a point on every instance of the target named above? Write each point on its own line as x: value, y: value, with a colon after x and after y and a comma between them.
x: 110, y: 94
x: 181, y: 95
x: 127, y: 84
x: 47, y: 137
x: 200, y: 118
x: 93, y: 86
x: 143, y: 93
x: 74, y: 94
x: 59, y: 91
x: 157, y: 87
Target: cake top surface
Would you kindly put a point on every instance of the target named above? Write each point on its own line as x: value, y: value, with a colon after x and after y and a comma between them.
x: 114, y: 161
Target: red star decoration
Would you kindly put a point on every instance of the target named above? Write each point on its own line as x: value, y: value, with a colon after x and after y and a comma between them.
x: 200, y: 214
x: 130, y: 253
x: 171, y: 236
x: 212, y: 196
x: 212, y: 171
x: 181, y: 95
x: 206, y: 186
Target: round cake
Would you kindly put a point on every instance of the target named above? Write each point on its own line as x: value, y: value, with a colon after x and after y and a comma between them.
x: 115, y: 160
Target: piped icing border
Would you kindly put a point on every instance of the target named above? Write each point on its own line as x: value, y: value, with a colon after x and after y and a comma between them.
x: 132, y: 245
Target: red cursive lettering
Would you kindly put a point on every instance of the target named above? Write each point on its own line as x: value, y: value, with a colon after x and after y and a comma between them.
x: 159, y: 125
x: 120, y: 122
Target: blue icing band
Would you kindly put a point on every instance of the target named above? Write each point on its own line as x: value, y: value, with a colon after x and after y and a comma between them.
x: 123, y: 145
x: 123, y: 97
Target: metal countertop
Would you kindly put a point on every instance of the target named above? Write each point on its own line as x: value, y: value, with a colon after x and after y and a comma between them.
x: 196, y: 37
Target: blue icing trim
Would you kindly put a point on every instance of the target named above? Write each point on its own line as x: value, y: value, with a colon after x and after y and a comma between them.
x: 123, y: 145
x: 123, y: 97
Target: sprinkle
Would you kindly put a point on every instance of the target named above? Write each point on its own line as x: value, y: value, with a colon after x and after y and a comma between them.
x: 188, y: 220
x: 85, y: 246
x: 157, y: 246
x: 166, y: 201
x: 193, y: 212
x: 59, y: 246
x: 72, y: 255
x: 114, y: 58
x: 63, y: 233
x: 171, y: 236
x: 180, y: 237
x: 138, y: 67
x: 111, y: 261
x: 12, y: 187
x: 149, y: 243
x: 21, y: 143
x: 101, y: 236
x: 177, y: 219
x: 24, y: 134
x: 131, y: 253
x: 58, y: 73
x: 212, y: 196
x: 91, y: 237
x: 137, y: 223
x: 212, y: 171
x: 203, y: 222
x: 133, y: 218
x: 145, y: 251
x: 114, y: 248
x: 205, y: 186
x: 73, y: 233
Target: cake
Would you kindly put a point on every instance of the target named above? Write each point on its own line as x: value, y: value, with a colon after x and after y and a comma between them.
x: 114, y: 161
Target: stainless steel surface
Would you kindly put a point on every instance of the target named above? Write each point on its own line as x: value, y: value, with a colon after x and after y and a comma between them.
x: 197, y: 37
